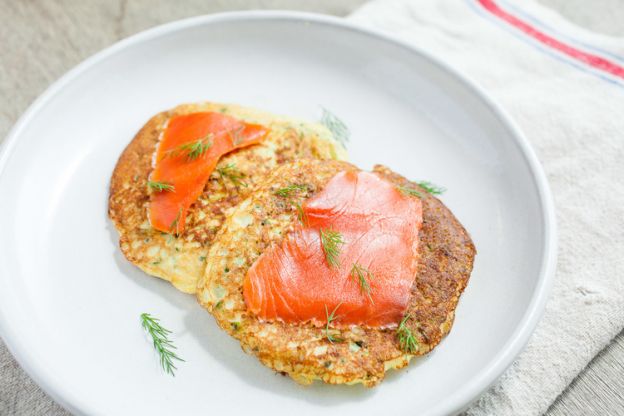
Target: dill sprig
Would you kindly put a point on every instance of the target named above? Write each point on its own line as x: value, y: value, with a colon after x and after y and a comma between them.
x: 407, y: 341
x: 290, y: 189
x: 331, y: 317
x: 409, y: 191
x: 174, y: 228
x: 196, y: 149
x: 192, y: 149
x: 363, y: 277
x: 161, y: 186
x: 229, y: 172
x: 301, y: 215
x: 338, y: 128
x: 331, y: 241
x: 431, y: 187
x: 287, y: 192
x: 162, y: 344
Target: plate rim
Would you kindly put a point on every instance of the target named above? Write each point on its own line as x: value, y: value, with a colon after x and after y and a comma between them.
x: 483, y: 379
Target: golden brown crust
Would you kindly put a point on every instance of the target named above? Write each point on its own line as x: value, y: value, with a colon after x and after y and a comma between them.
x: 181, y: 259
x: 128, y: 186
x: 446, y: 259
x: 303, y: 351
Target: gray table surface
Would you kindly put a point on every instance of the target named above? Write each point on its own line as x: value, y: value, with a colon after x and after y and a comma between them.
x: 41, y: 40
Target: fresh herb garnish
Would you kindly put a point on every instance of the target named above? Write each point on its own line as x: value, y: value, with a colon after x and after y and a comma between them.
x: 288, y: 190
x: 196, y: 149
x: 161, y: 186
x: 406, y: 338
x: 229, y: 172
x: 193, y: 149
x: 331, y: 241
x: 338, y: 128
x: 331, y: 318
x: 409, y: 191
x: 162, y: 343
x: 174, y: 228
x: 432, y: 188
x: 301, y: 215
x: 363, y: 276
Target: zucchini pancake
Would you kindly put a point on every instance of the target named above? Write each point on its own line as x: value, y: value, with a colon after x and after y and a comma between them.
x: 175, y: 183
x: 326, y: 272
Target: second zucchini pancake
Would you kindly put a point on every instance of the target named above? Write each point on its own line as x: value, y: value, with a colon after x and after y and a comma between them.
x: 332, y: 273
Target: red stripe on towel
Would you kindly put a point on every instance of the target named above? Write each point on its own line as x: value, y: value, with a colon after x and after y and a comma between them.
x: 594, y: 61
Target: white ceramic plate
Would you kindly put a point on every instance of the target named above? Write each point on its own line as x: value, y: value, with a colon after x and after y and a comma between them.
x: 70, y: 302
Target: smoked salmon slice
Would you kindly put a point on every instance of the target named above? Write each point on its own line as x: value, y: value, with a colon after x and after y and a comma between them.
x: 187, y: 154
x: 374, y: 227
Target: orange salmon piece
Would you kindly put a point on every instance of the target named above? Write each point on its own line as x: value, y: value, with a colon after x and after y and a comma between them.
x: 370, y: 279
x: 187, y: 154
